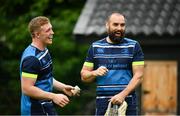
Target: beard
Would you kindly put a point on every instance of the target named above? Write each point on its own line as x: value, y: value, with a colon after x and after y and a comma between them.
x: 114, y: 38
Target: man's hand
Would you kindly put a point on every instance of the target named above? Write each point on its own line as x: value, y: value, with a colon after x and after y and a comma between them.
x: 68, y: 90
x: 76, y: 91
x: 101, y: 71
x: 118, y: 99
x: 60, y: 99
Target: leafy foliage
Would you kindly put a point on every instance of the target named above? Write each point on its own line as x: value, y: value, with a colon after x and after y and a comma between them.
x: 67, y: 56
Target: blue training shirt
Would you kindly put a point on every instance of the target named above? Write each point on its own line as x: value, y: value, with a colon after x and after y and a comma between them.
x: 35, y: 64
x: 118, y: 59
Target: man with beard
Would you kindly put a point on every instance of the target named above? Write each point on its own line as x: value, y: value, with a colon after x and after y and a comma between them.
x: 37, y: 80
x: 116, y: 63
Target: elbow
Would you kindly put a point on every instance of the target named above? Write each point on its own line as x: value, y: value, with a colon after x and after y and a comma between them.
x: 26, y: 90
x: 141, y: 80
x: 84, y: 79
x: 87, y: 76
x: 140, y: 77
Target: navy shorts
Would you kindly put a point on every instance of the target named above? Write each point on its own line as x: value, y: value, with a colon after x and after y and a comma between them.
x: 102, y: 104
x: 43, y: 108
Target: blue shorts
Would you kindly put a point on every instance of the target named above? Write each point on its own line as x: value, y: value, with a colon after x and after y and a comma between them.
x: 102, y: 104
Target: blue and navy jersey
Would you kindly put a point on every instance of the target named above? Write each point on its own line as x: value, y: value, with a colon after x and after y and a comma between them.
x: 35, y: 64
x: 118, y: 59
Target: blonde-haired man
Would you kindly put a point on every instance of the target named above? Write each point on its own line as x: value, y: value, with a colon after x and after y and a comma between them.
x: 37, y: 80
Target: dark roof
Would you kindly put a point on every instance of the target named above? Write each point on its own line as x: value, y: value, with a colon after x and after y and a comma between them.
x: 143, y: 16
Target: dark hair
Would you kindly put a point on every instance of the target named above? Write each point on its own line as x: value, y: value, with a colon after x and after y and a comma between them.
x: 113, y: 13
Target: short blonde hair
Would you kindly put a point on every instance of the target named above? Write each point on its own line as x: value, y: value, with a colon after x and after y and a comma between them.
x: 36, y: 23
